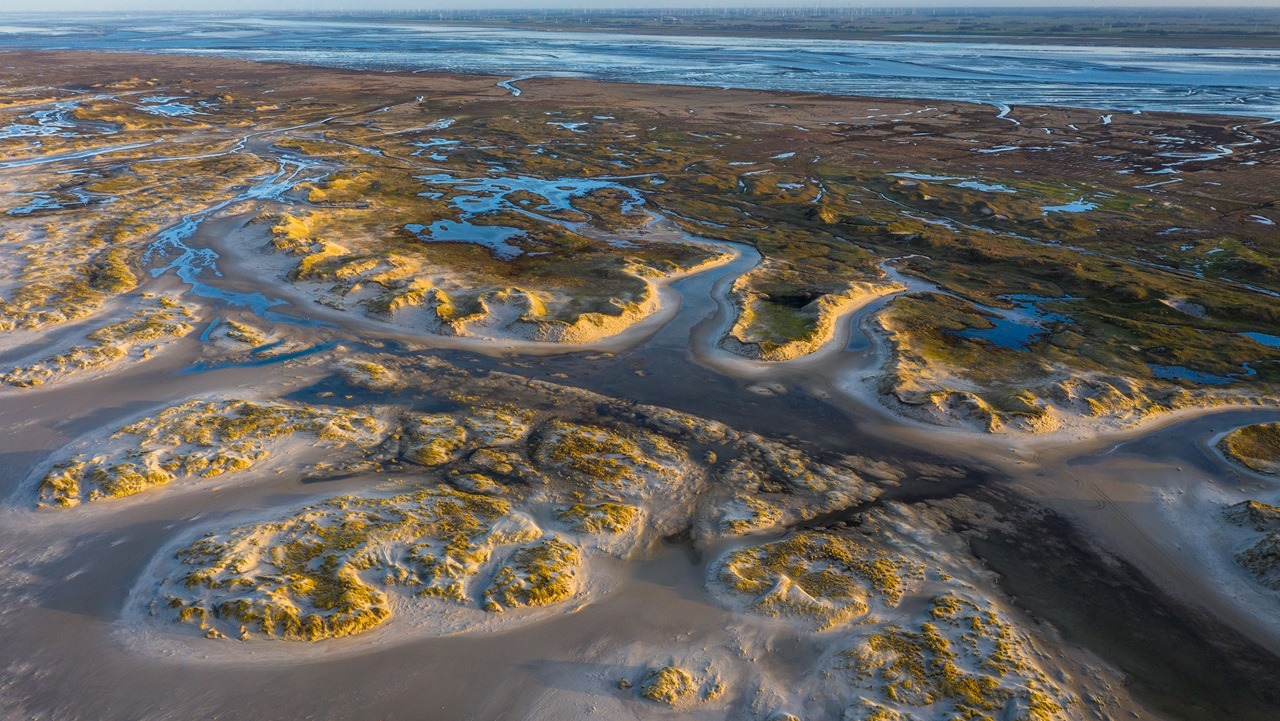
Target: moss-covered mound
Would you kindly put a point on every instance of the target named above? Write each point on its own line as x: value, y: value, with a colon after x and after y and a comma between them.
x: 826, y: 579
x: 197, y: 438
x: 670, y: 685
x: 331, y: 569
x: 1256, y: 447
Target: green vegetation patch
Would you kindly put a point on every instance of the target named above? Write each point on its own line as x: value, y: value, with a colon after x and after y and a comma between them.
x: 1257, y: 447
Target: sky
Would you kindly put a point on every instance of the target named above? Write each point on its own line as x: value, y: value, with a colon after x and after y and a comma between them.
x: 356, y: 5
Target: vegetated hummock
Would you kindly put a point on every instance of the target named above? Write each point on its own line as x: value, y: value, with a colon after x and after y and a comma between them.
x: 1257, y: 447
x: 530, y: 484
x: 505, y: 500
x: 1258, y: 550
x: 915, y: 634
x: 501, y: 520
x: 326, y: 572
x: 156, y: 322
x: 677, y: 687
x: 202, y: 438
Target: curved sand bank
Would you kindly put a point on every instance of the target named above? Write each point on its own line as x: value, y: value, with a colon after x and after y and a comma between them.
x: 1072, y: 407
x: 516, y: 315
x: 513, y: 320
x: 859, y: 374
x: 829, y: 312
x: 713, y: 344
x: 854, y: 370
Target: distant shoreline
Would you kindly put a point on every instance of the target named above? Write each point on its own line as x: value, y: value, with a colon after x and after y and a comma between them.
x: 1190, y: 41
x: 1224, y: 81
x: 864, y: 98
x: 1198, y: 28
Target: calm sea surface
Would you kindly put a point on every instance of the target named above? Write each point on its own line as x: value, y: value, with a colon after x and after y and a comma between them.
x: 1237, y: 81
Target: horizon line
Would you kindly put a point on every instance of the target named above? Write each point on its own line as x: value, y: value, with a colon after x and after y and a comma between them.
x: 925, y: 5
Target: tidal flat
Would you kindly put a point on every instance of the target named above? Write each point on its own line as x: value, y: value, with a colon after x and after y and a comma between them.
x: 352, y: 394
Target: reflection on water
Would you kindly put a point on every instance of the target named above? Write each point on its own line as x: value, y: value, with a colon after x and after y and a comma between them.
x: 956, y: 182
x: 490, y: 194
x: 1019, y: 327
x: 1076, y: 206
x: 1272, y: 341
x: 486, y: 195
x: 1187, y: 374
